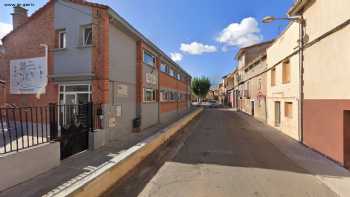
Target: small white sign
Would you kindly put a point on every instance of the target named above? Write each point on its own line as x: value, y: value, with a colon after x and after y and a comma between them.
x: 122, y: 90
x: 151, y: 78
x: 118, y: 110
x: 28, y: 76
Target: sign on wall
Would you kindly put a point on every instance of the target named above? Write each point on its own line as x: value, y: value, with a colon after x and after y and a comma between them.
x: 151, y: 78
x: 28, y: 76
x: 122, y: 90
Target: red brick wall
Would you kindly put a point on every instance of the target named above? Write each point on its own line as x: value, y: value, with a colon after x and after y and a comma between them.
x: 166, y: 81
x: 2, y: 95
x: 25, y: 43
x: 100, y: 55
x: 3, y: 91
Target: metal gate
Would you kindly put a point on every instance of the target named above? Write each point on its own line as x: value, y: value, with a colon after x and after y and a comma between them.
x: 74, y: 124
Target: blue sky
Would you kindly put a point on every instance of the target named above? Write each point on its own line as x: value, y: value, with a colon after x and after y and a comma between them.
x: 202, y: 31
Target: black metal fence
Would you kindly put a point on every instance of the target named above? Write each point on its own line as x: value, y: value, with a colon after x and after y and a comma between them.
x: 25, y: 127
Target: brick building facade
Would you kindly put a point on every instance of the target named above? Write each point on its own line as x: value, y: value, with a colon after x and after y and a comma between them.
x: 95, y: 55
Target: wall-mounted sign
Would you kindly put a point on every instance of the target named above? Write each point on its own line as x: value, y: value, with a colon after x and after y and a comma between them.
x: 28, y: 76
x: 122, y: 90
x: 118, y: 110
x: 151, y: 78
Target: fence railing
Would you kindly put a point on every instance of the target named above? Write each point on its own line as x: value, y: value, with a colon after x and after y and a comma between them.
x: 25, y: 127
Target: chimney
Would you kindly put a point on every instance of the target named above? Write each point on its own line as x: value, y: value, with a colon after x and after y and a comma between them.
x: 19, y: 16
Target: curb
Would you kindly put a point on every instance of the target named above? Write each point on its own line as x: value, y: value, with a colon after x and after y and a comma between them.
x: 99, y: 181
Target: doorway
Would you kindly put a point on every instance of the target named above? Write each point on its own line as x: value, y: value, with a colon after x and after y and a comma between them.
x: 346, y: 138
x: 71, y: 97
x: 75, y: 94
x: 277, y: 113
x: 252, y: 103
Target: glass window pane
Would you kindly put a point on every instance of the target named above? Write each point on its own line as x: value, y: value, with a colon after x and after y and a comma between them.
x: 148, y: 58
x: 77, y: 88
x: 87, y: 35
x: 62, y: 39
x: 163, y: 68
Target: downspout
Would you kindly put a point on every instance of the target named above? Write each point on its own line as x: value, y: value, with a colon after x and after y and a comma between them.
x: 301, y: 81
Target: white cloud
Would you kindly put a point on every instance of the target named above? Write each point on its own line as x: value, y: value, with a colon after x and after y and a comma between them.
x: 241, y: 34
x: 4, y: 29
x: 196, y: 48
x: 176, y: 56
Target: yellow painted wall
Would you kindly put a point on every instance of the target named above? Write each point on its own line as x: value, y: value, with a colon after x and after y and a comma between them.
x: 284, y: 46
x: 327, y: 63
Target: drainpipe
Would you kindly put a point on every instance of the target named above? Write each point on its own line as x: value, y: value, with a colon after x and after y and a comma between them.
x: 42, y: 90
x: 301, y: 80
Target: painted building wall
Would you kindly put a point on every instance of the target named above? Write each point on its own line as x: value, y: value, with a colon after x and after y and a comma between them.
x: 326, y: 79
x: 279, y: 51
x: 150, y: 110
x: 121, y: 108
x: 255, y: 75
x: 72, y: 17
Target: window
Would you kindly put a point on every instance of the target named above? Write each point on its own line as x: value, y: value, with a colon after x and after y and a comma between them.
x: 286, y: 72
x: 288, y: 109
x: 178, y: 76
x: 273, y: 77
x: 61, y: 39
x: 149, y: 95
x: 148, y: 58
x: 163, y: 68
x: 163, y: 95
x: 87, y: 35
x: 259, y: 84
x: 171, y: 72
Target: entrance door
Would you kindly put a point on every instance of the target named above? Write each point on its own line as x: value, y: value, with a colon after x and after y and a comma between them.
x: 277, y: 113
x: 74, y: 122
x: 346, y: 125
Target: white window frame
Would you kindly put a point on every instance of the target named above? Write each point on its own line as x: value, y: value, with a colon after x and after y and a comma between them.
x: 163, y: 96
x: 84, y: 39
x: 163, y: 66
x: 60, y: 34
x: 153, y: 95
x: 178, y: 76
x: 171, y: 72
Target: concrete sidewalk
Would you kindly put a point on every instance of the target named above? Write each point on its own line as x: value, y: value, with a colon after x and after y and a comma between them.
x: 75, y: 168
x: 328, y: 172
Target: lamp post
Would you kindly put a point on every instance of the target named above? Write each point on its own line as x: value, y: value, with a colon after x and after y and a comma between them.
x: 300, y: 20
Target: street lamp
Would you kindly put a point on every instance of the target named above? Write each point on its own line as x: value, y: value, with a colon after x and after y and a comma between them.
x: 270, y: 19
x: 300, y: 20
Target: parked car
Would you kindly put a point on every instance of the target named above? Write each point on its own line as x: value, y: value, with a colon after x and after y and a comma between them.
x: 213, y: 104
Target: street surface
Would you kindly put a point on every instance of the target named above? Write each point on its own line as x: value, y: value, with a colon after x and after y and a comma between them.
x: 222, y: 154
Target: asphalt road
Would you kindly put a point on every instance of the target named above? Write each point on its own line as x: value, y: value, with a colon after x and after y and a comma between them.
x: 222, y: 154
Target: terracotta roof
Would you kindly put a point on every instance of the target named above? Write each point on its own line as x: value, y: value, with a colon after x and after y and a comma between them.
x: 243, y: 49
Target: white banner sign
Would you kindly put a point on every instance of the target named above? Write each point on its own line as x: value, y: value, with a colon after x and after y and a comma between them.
x: 122, y: 90
x: 151, y: 78
x: 28, y: 76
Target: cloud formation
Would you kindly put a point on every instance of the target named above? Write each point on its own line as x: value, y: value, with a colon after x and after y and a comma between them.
x: 176, y: 56
x: 241, y: 34
x: 196, y: 48
x: 4, y: 29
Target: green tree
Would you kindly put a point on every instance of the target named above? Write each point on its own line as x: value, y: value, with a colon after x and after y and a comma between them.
x: 200, y: 86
